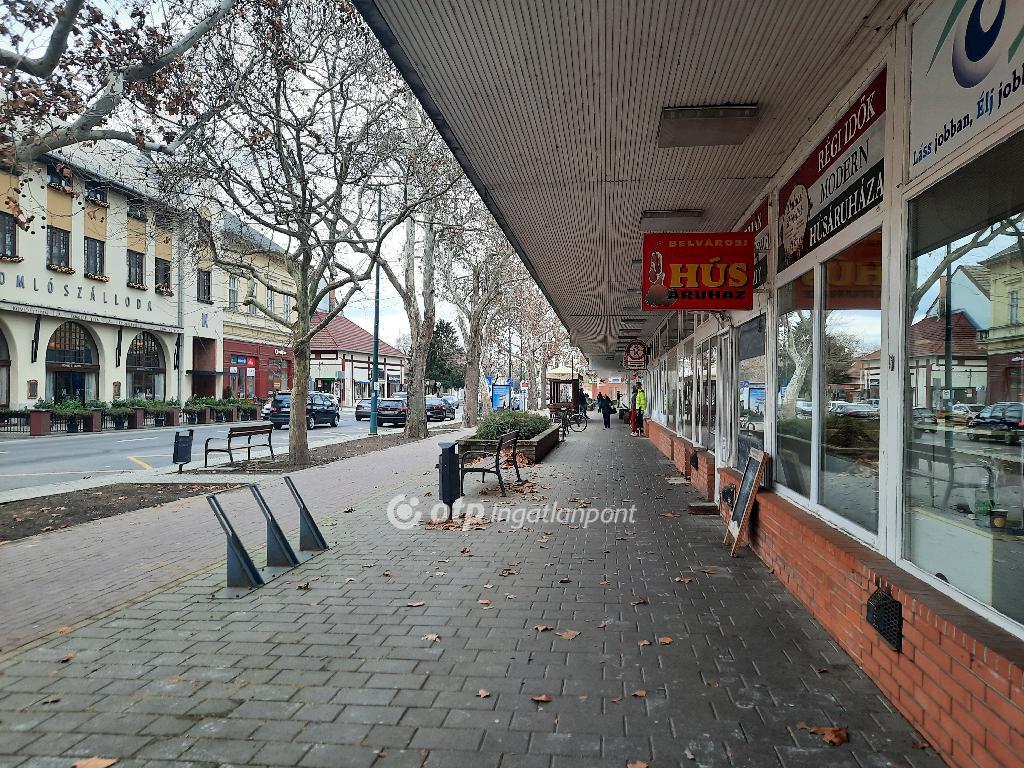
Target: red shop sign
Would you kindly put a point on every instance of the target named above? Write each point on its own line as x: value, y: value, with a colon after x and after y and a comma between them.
x: 698, y: 271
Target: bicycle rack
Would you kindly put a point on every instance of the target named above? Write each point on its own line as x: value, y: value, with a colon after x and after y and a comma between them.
x: 279, y: 552
x: 241, y: 569
x: 310, y: 538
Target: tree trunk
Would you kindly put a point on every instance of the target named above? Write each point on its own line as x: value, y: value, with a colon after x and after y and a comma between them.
x: 529, y: 403
x: 298, y: 439
x: 469, y: 410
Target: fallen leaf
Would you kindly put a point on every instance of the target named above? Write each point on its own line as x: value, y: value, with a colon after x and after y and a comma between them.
x: 683, y: 579
x: 919, y: 744
x: 617, y: 700
x: 64, y: 630
x: 602, y: 625
x: 829, y: 734
x: 543, y: 628
x: 541, y: 699
x: 464, y: 550
x: 50, y: 700
x: 664, y: 640
x: 303, y: 586
x: 439, y: 573
x: 636, y: 764
x: 641, y: 601
x: 95, y: 762
x: 68, y: 658
x: 488, y: 586
x: 821, y: 670
x: 347, y: 511
x: 433, y: 637
x: 484, y: 601
x: 483, y: 693
x: 565, y: 580
x: 644, y: 643
x: 639, y: 693
x: 567, y: 634
x: 709, y: 570
x: 509, y: 596
x: 419, y: 604
x: 689, y: 755
x: 386, y: 574
x: 604, y: 582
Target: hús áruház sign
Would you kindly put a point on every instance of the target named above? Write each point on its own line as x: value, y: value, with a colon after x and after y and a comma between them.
x: 698, y: 271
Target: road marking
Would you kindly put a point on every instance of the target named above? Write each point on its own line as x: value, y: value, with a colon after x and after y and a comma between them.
x: 135, y: 439
x: 141, y: 463
x: 70, y: 472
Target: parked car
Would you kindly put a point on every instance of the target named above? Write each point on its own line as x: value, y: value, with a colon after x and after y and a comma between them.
x: 363, y: 409
x: 401, y: 396
x: 856, y: 411
x: 392, y: 411
x: 265, y: 410
x: 834, y: 405
x: 439, y: 410
x: 319, y: 410
x: 962, y: 413
x: 1002, y: 421
x: 924, y: 420
x: 452, y: 401
x: 804, y: 409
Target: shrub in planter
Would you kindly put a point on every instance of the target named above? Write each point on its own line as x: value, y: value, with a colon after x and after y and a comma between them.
x: 497, y: 423
x: 160, y: 410
x: 119, y: 416
x: 73, y: 412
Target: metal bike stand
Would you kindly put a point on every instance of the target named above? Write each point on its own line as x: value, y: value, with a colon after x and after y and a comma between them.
x: 279, y: 552
x: 310, y: 537
x: 241, y: 569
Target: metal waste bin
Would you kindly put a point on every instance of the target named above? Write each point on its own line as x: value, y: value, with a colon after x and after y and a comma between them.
x: 449, y: 484
x: 183, y: 448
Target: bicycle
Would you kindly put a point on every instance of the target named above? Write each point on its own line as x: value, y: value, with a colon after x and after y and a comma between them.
x: 578, y: 421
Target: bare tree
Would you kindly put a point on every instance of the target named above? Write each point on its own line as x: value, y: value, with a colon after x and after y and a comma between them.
x: 315, y: 154
x: 77, y: 71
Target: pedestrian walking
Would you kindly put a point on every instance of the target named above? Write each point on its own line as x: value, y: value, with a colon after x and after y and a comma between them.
x: 604, y: 404
x: 641, y: 406
x: 632, y: 411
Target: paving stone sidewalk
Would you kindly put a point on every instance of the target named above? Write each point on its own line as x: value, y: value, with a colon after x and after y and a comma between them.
x: 418, y: 648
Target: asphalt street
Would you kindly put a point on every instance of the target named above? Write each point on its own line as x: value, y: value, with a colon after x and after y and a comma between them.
x: 32, y: 462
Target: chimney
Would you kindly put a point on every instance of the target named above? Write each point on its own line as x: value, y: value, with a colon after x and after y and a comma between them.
x: 332, y: 302
x: 941, y: 301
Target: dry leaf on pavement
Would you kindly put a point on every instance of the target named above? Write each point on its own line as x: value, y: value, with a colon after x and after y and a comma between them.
x: 483, y: 693
x: 434, y: 638
x: 67, y: 658
x: 604, y: 582
x: 418, y: 604
x: 543, y: 628
x: 565, y: 580
x: 94, y: 762
x: 644, y: 643
x: 484, y: 601
x: 664, y: 640
x: 829, y: 734
x: 639, y: 693
x: 541, y: 699
x: 709, y: 570
x: 304, y: 586
x: 683, y: 579
x: 567, y: 634
x: 636, y: 764
x: 386, y: 574
x: 641, y: 601
x: 63, y: 630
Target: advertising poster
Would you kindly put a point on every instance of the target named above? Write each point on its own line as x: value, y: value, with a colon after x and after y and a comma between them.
x: 839, y: 182
x: 966, y: 72
x: 698, y: 271
x: 757, y: 225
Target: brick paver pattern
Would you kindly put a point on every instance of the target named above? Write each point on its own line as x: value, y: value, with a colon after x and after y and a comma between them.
x: 418, y: 647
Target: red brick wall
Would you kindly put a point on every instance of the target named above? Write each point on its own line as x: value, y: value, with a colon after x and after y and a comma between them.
x: 959, y: 679
x: 679, y: 450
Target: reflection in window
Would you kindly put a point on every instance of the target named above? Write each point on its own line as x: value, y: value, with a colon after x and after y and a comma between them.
x: 686, y: 374
x: 751, y: 372
x: 707, y: 355
x: 795, y: 352
x: 851, y: 338
x: 963, y: 483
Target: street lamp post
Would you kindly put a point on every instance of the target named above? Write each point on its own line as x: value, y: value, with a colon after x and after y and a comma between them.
x: 376, y: 324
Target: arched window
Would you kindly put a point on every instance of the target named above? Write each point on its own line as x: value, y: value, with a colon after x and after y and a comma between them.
x: 145, y: 366
x: 72, y: 364
x: 5, y: 372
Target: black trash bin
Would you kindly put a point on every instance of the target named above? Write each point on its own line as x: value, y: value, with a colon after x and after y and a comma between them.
x: 449, y: 484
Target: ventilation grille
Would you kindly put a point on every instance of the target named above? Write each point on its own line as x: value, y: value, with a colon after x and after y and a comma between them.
x: 886, y: 615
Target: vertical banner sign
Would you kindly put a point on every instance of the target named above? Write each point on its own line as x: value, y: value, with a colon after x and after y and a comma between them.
x: 757, y: 225
x: 839, y: 182
x: 698, y: 271
x: 966, y: 72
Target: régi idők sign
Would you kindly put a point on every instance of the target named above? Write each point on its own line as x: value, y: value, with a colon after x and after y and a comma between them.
x: 698, y: 271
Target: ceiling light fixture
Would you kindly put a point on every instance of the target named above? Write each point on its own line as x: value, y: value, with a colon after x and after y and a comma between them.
x: 706, y: 126
x: 679, y: 220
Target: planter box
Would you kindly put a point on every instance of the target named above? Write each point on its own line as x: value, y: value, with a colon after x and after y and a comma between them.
x: 534, y: 449
x: 137, y: 419
x: 174, y: 417
x: 93, y: 421
x: 39, y: 423
x: 204, y: 415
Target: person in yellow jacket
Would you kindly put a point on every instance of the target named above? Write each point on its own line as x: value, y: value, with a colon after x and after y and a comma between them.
x: 641, y: 406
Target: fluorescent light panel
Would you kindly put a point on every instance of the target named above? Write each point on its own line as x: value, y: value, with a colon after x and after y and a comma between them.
x: 680, y: 220
x: 706, y: 126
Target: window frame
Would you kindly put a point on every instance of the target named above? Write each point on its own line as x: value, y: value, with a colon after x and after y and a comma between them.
x: 136, y: 268
x: 204, y: 278
x: 95, y: 249
x: 8, y: 233
x: 136, y: 209
x: 158, y: 263
x: 96, y: 192
x: 65, y: 242
x: 233, y: 292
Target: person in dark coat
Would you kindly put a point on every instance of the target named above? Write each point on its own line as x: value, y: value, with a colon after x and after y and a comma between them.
x: 604, y: 404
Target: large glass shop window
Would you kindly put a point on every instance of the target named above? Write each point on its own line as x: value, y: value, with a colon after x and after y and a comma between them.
x: 752, y: 376
x: 851, y: 338
x: 963, y: 479
x: 686, y: 374
x: 794, y: 398
x: 707, y: 360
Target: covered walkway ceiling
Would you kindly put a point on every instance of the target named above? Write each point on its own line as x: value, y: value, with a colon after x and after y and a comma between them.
x: 553, y: 108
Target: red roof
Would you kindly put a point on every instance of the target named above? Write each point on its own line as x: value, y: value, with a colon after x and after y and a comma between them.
x: 928, y: 337
x: 342, y: 335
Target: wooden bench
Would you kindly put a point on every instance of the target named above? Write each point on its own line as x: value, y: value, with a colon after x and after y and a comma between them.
x: 508, y: 440
x: 248, y: 432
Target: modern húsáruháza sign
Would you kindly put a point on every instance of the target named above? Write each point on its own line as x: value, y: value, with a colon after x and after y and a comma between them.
x: 739, y: 520
x: 698, y: 271
x: 839, y: 182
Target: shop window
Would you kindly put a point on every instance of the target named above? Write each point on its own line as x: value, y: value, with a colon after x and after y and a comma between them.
x: 8, y: 237
x: 136, y: 269
x: 751, y: 373
x: 686, y: 376
x: 144, y: 364
x: 58, y: 247
x: 794, y: 399
x: 707, y: 361
x: 72, y: 364
x: 277, y: 373
x: 964, y: 456
x: 204, y: 286
x: 672, y: 388
x: 232, y: 292
x: 94, y: 257
x: 849, y: 425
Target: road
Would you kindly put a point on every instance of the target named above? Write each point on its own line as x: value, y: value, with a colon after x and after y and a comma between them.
x: 31, y: 462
